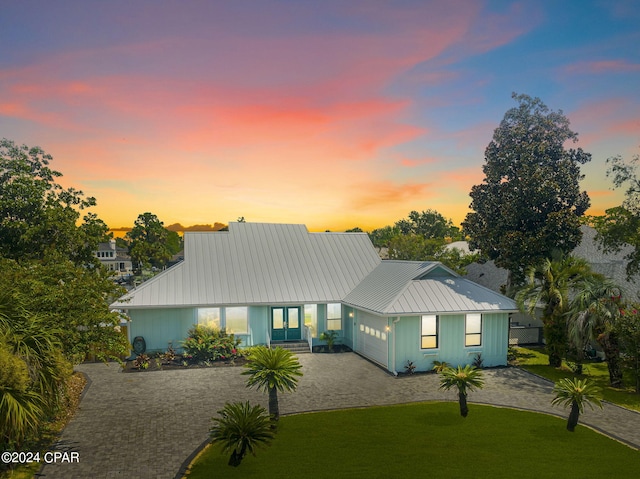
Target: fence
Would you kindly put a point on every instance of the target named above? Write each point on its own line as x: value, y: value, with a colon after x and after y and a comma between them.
x: 523, y: 335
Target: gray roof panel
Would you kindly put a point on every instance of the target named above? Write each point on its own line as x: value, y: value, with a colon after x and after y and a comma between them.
x: 259, y: 263
x: 406, y: 287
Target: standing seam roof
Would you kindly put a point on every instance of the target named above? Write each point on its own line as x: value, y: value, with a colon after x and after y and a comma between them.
x: 259, y: 263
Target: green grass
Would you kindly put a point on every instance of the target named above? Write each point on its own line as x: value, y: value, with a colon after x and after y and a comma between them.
x: 427, y: 440
x: 537, y: 362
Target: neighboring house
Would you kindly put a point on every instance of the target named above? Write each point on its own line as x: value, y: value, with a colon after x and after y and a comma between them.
x: 274, y: 283
x: 114, y: 258
x: 611, y: 265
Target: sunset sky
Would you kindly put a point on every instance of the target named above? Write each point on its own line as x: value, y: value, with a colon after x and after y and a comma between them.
x: 335, y: 114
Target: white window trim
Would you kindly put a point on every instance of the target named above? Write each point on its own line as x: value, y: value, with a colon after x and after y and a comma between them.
x: 468, y: 334
x: 437, y: 335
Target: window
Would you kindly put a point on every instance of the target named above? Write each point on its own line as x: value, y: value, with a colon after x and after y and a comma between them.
x: 311, y: 318
x: 429, y: 332
x: 334, y: 316
x: 237, y: 320
x: 473, y: 330
x: 209, y: 317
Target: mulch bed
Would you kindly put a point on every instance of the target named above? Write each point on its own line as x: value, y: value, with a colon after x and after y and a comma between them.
x: 157, y: 364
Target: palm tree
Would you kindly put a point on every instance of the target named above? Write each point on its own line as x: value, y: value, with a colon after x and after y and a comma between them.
x: 464, y: 379
x: 33, y: 371
x: 550, y: 284
x: 575, y: 393
x: 592, y: 315
x: 20, y: 408
x: 241, y: 428
x: 273, y: 370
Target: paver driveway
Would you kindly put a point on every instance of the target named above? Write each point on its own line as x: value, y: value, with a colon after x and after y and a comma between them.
x: 145, y: 425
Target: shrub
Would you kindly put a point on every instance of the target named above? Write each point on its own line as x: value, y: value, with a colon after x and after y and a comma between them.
x: 210, y: 344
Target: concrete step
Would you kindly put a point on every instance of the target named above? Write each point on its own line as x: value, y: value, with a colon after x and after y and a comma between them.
x: 293, y: 346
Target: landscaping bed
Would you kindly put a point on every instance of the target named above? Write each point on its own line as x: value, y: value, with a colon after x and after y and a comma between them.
x: 158, y: 364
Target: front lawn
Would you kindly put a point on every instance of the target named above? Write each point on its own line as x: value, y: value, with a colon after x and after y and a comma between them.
x: 427, y: 440
x: 537, y: 362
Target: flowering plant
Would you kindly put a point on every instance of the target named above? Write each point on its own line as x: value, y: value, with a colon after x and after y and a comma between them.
x: 205, y: 343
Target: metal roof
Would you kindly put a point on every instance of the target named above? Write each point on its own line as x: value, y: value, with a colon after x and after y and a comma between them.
x: 407, y: 287
x: 259, y: 263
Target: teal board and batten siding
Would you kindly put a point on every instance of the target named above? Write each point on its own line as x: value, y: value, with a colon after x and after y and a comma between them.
x: 160, y: 326
x: 451, y: 348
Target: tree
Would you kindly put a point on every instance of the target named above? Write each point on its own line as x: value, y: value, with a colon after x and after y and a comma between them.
x: 273, y: 370
x: 430, y: 225
x: 71, y: 300
x: 621, y: 225
x: 241, y: 428
x: 575, y: 393
x: 33, y: 372
x: 627, y: 328
x: 38, y: 217
x: 174, y: 242
x: 530, y: 202
x: 593, y: 314
x: 381, y: 237
x: 413, y: 247
x: 464, y: 379
x: 148, y: 241
x: 549, y: 284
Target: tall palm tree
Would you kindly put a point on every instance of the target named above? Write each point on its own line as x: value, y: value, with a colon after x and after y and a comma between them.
x: 273, y: 370
x: 463, y: 379
x: 575, y: 393
x: 549, y: 284
x: 241, y: 428
x: 592, y: 315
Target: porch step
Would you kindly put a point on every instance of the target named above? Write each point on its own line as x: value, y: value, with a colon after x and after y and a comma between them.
x: 297, y: 347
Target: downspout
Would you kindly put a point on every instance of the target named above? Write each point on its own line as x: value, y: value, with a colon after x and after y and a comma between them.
x: 393, y: 344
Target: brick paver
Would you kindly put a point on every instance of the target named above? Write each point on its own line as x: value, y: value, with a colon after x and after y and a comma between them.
x: 145, y: 425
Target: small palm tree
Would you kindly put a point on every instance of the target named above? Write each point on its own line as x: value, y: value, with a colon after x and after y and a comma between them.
x: 273, y: 370
x: 464, y: 379
x: 576, y: 393
x: 241, y: 428
x: 439, y: 366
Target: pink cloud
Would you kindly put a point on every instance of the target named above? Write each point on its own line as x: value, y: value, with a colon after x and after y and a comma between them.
x: 415, y: 162
x: 602, y: 66
x: 376, y: 193
x: 605, y: 119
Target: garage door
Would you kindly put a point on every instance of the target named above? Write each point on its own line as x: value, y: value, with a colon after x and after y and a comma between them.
x: 373, y: 338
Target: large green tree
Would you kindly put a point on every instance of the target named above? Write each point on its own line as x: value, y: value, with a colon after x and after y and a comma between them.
x: 38, y: 217
x: 73, y: 301
x: 620, y: 226
x: 422, y: 236
x: 149, y: 242
x: 530, y: 202
x: 429, y: 224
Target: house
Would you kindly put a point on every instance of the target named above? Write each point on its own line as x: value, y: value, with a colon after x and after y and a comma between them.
x: 275, y: 283
x: 114, y: 258
x: 527, y: 329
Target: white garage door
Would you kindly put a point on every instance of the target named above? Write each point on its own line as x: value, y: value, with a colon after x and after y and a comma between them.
x: 373, y: 338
